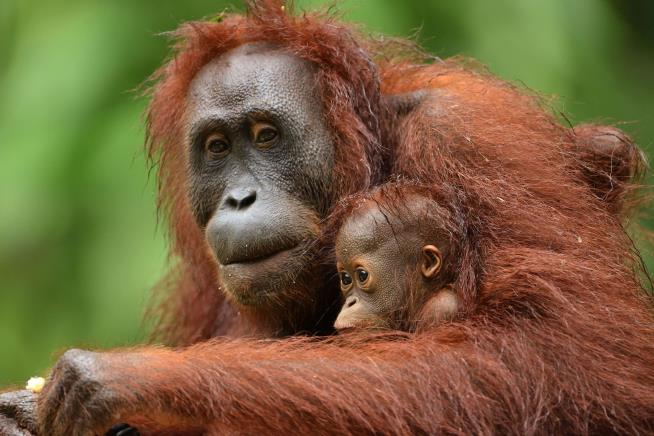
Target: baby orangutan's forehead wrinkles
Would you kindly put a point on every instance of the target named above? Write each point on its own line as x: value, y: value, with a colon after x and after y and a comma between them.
x: 366, y: 232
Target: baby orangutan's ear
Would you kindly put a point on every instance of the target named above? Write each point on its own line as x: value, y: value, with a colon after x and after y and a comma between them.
x: 431, y: 261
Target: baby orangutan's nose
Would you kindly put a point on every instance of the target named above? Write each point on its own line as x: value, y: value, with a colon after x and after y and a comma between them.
x: 347, y: 317
x: 351, y: 301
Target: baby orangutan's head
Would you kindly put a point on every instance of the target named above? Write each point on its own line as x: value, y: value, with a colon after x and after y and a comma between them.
x: 393, y: 256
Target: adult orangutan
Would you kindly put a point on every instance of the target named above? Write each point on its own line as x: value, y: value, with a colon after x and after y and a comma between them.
x: 259, y: 124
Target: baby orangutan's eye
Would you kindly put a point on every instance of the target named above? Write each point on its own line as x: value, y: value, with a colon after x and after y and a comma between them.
x: 362, y: 275
x: 346, y: 279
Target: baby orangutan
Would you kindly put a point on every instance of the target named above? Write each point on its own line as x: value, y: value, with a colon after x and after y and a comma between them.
x: 393, y: 254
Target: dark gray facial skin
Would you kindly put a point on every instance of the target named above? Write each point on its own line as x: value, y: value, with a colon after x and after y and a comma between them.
x: 380, y: 255
x: 260, y: 165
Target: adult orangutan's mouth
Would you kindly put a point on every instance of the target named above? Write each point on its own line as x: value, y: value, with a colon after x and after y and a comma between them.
x: 253, y: 260
x: 251, y: 279
x: 261, y: 254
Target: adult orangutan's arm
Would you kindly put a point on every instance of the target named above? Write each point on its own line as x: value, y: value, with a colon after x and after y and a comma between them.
x: 288, y: 385
x: 540, y: 358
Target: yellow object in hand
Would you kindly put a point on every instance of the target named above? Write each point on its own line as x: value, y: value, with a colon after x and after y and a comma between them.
x: 35, y: 384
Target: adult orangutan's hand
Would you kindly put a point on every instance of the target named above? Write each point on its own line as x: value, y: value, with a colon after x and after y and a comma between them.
x: 80, y: 396
x: 89, y: 392
x: 18, y: 413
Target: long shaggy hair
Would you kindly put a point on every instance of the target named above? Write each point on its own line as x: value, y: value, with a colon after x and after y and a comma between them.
x: 556, y: 333
x: 349, y: 84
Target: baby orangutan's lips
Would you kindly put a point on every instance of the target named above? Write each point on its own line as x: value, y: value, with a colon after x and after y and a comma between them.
x: 351, y: 325
x: 357, y: 322
x: 345, y: 330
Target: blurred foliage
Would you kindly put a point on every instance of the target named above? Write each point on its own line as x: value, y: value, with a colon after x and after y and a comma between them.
x: 79, y: 242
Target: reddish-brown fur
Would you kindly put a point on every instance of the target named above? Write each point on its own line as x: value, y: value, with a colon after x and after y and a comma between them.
x: 557, y: 334
x: 447, y: 220
x: 610, y: 162
x: 349, y: 83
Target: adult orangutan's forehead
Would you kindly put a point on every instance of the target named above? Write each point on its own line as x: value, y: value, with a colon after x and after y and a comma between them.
x: 254, y: 77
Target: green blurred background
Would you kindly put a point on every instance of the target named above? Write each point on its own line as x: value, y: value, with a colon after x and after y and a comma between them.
x: 79, y: 242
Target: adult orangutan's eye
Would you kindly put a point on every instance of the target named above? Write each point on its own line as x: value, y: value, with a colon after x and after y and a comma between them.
x: 265, y: 134
x: 362, y: 275
x: 216, y: 146
x: 346, y: 279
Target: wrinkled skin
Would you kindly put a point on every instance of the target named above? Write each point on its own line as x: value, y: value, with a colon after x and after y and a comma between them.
x: 18, y: 413
x: 379, y: 258
x: 297, y: 178
x: 83, y: 397
x: 83, y: 378
x: 75, y: 375
x: 261, y: 195
x: 609, y: 159
x: 260, y: 162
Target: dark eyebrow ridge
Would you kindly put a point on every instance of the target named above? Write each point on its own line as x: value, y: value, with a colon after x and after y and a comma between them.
x: 202, y: 126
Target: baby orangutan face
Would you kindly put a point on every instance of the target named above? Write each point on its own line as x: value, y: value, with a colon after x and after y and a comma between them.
x: 378, y: 255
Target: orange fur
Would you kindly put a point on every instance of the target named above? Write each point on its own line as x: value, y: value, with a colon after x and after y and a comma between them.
x: 557, y: 334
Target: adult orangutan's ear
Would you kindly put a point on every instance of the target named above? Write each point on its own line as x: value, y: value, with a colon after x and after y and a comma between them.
x: 431, y: 261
